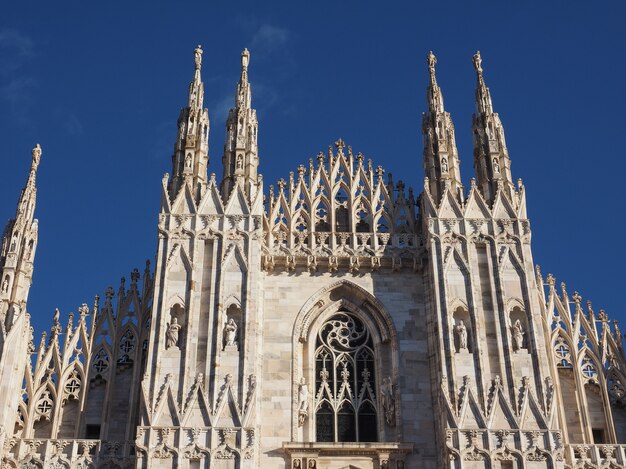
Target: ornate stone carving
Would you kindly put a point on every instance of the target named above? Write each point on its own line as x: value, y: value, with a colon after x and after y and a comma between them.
x: 303, y: 401
x: 230, y: 335
x: 172, y: 334
x: 388, y: 400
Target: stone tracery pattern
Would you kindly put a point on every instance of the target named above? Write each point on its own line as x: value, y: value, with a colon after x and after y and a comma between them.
x: 340, y: 214
x: 345, y: 399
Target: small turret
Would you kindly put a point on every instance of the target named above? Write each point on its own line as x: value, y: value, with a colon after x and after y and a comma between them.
x: 491, y: 157
x: 441, y: 159
x: 241, y: 160
x: 191, y: 152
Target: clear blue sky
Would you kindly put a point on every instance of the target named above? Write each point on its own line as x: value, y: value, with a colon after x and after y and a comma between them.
x: 100, y: 85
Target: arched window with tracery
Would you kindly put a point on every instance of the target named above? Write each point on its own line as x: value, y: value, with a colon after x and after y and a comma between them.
x: 345, y: 397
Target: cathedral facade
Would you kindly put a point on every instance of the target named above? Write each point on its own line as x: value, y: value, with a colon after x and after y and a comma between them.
x: 336, y: 320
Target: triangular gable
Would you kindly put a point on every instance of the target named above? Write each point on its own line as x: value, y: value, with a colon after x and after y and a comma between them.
x: 197, y: 413
x: 449, y: 207
x: 502, y: 416
x: 166, y: 414
x: 532, y: 418
x: 502, y: 207
x: 237, y: 204
x: 184, y: 201
x: 211, y: 202
x: 471, y: 416
x: 475, y: 207
x: 227, y: 414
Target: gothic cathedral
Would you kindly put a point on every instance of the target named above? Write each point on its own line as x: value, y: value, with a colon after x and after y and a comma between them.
x: 333, y: 321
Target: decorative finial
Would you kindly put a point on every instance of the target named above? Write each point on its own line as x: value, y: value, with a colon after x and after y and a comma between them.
x: 36, y: 156
x: 198, y: 57
x: 431, y: 59
x: 477, y: 61
x: 245, y: 58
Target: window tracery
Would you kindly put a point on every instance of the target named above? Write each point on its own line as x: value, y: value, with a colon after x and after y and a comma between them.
x: 127, y: 346
x: 101, y: 362
x: 45, y: 405
x: 72, y: 386
x: 563, y: 354
x: 345, y: 381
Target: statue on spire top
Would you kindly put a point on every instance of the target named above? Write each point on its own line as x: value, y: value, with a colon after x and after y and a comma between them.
x: 36, y: 156
x: 198, y: 57
x: 477, y: 61
x: 245, y: 58
x: 432, y: 60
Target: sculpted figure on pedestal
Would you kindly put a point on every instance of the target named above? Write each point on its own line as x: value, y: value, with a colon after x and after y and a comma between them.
x: 518, y: 335
x: 230, y: 334
x: 303, y: 401
x: 171, y: 336
x: 387, y: 399
x: 461, y: 331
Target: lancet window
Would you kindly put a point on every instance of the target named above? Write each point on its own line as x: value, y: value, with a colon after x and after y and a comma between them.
x: 345, y: 381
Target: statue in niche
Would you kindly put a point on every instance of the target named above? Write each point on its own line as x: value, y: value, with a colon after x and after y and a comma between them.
x: 296, y: 464
x: 188, y: 161
x: 518, y: 335
x: 444, y: 165
x: 387, y: 400
x: 5, y: 284
x: 496, y: 166
x: 230, y: 334
x: 303, y: 401
x: 239, y: 162
x: 461, y: 332
x: 172, y: 334
x: 312, y: 464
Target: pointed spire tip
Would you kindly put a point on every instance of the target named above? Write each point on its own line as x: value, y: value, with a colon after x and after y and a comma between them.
x: 245, y: 58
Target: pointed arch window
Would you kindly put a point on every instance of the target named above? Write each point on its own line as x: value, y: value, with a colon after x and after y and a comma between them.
x: 345, y: 386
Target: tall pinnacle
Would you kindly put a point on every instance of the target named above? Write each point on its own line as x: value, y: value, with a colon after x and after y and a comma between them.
x: 191, y: 152
x: 240, y: 158
x: 19, y: 243
x: 434, y: 96
x: 483, y: 97
x: 441, y: 160
x: 491, y: 157
x: 244, y: 96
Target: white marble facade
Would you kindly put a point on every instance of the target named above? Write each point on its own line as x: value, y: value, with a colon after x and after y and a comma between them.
x: 336, y: 320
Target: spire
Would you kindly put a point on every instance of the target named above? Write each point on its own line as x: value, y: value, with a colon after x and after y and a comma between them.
x: 491, y: 157
x: 240, y: 158
x: 19, y: 243
x: 191, y: 152
x: 441, y: 159
x: 483, y: 98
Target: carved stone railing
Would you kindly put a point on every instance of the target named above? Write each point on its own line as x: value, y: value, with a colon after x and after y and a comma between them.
x: 386, y: 455
x: 70, y: 453
x: 601, y: 455
x: 505, y: 445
